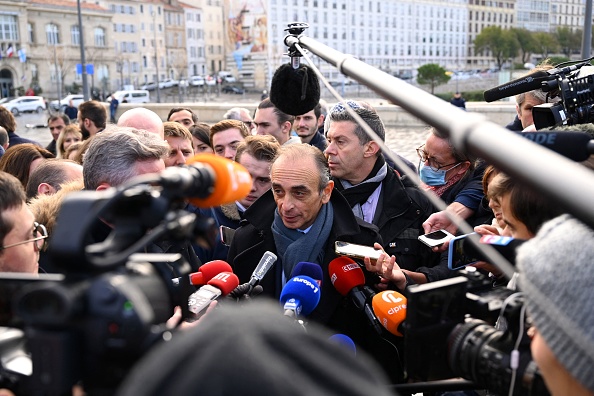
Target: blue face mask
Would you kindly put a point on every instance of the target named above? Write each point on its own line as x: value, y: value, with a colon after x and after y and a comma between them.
x: 433, y: 177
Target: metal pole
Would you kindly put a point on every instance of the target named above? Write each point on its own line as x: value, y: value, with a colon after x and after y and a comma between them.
x: 57, y: 78
x: 85, y: 84
x: 587, y: 37
x: 565, y: 182
x: 156, y: 59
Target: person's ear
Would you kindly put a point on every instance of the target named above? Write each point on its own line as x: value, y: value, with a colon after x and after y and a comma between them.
x: 371, y: 149
x: 463, y: 168
x: 45, y: 189
x: 102, y: 186
x: 327, y: 191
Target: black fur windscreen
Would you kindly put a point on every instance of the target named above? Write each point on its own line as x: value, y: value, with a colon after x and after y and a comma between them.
x: 295, y: 91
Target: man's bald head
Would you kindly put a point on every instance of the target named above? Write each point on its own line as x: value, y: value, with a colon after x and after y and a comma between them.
x: 141, y: 118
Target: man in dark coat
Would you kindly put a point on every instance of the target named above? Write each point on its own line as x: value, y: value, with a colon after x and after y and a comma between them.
x: 300, y: 219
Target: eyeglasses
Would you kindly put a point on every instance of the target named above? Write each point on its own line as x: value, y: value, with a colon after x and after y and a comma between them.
x: 433, y: 164
x: 40, y: 233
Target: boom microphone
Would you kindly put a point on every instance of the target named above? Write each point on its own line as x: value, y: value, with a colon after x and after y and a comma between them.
x: 527, y: 83
x: 206, y: 272
x: 577, y: 146
x: 349, y: 280
x: 390, y: 308
x: 208, y: 180
x: 300, y: 296
x: 312, y: 270
x: 219, y: 286
x: 295, y: 91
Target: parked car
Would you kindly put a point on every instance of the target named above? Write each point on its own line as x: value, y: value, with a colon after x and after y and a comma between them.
x: 233, y: 89
x: 149, y: 86
x: 210, y: 80
x: 132, y: 96
x: 197, y: 81
x: 168, y: 83
x: 24, y: 104
x: 63, y: 103
x: 226, y: 76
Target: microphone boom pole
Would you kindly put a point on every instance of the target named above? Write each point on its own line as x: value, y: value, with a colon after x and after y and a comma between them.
x: 562, y: 180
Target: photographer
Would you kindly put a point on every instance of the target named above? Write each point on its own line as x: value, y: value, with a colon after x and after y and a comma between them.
x: 556, y: 277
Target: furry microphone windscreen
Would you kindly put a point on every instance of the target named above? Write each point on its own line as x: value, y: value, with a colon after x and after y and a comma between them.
x: 295, y: 91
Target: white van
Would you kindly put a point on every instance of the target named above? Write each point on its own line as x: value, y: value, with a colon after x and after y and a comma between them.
x: 133, y: 96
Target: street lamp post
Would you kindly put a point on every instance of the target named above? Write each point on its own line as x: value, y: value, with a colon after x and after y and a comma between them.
x: 82, y: 54
x: 156, y: 59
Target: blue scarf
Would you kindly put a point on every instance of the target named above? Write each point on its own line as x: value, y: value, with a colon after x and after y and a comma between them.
x: 293, y: 246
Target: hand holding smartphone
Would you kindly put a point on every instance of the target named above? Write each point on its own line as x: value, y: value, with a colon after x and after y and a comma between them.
x: 356, y: 251
x: 435, y: 238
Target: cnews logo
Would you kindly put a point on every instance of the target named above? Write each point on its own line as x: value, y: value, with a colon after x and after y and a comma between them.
x: 350, y: 267
x: 389, y: 297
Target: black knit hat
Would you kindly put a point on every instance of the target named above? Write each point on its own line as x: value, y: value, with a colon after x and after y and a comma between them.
x: 253, y: 350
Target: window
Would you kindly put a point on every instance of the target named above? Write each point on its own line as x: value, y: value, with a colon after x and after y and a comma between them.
x: 75, y: 35
x: 9, y: 28
x: 52, y: 34
x: 31, y: 32
x: 99, y: 37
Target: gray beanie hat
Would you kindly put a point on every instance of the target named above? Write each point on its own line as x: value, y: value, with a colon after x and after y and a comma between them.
x: 557, y: 276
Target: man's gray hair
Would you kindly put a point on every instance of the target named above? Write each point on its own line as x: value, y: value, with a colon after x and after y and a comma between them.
x: 369, y: 116
x: 297, y: 152
x: 112, y: 156
x: 235, y: 113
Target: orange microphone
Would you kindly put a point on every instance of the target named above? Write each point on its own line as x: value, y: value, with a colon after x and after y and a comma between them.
x: 229, y: 181
x: 390, y: 308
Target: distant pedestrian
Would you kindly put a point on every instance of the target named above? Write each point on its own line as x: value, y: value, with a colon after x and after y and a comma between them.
x: 113, y: 107
x: 458, y: 101
x: 71, y: 111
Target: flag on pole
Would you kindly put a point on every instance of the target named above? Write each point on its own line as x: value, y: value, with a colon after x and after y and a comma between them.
x: 10, y: 51
x: 22, y: 55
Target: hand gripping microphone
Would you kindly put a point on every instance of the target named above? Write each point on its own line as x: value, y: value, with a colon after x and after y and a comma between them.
x: 208, y: 180
x: 266, y: 262
x: 300, y: 296
x: 312, y: 270
x: 219, y: 286
x: 390, y: 308
x: 348, y: 279
x: 206, y: 272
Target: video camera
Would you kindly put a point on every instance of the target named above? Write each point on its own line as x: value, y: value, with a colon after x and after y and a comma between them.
x: 463, y: 327
x: 575, y: 88
x: 92, y: 323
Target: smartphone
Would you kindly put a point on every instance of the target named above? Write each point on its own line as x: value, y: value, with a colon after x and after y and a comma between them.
x: 435, y: 238
x: 226, y: 235
x: 457, y: 256
x: 357, y: 251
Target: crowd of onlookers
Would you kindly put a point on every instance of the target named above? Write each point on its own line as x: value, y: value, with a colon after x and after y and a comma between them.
x: 316, y: 178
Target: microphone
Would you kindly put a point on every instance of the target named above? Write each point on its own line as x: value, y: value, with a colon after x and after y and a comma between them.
x: 506, y: 246
x: 295, y: 88
x: 344, y: 341
x: 219, y: 286
x: 390, y: 308
x: 527, y: 83
x: 349, y: 280
x: 266, y: 262
x: 206, y: 272
x: 300, y: 296
x: 208, y: 180
x: 312, y: 270
x: 577, y: 146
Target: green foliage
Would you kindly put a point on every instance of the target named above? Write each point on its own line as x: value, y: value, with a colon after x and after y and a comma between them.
x: 555, y: 60
x: 503, y: 44
x: 547, y: 43
x: 432, y: 74
x: 527, y: 43
x: 470, y: 96
x: 569, y: 40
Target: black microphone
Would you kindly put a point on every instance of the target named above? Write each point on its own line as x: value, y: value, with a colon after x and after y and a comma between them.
x: 295, y: 91
x: 266, y: 262
x: 577, y: 146
x: 527, y: 83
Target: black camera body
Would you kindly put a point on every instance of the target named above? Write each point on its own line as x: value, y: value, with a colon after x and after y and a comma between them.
x: 450, y: 332
x: 575, y: 88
